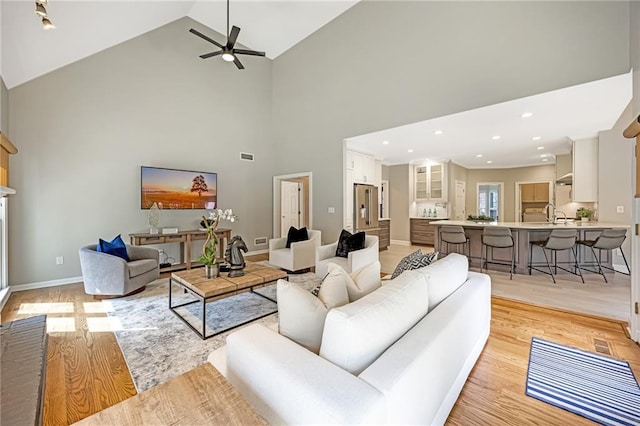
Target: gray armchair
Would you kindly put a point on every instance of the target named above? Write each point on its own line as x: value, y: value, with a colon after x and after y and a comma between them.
x: 108, y: 275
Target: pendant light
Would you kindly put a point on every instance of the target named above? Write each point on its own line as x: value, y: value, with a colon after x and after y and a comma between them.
x: 47, y: 24
x: 41, y: 11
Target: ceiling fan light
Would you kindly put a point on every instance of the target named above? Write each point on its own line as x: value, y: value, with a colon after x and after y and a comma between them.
x: 228, y: 56
x: 40, y: 10
x: 47, y: 24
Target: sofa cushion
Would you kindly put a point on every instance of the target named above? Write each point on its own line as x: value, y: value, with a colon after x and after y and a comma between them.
x: 356, y: 334
x: 115, y: 247
x: 415, y: 260
x: 362, y: 281
x: 301, y: 315
x: 139, y: 267
x: 349, y: 242
x: 295, y: 235
x: 445, y: 276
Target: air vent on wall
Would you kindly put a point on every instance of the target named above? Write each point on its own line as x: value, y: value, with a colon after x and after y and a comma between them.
x: 246, y: 156
x: 260, y: 241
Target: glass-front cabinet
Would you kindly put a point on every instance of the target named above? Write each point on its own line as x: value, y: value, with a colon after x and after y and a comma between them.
x: 429, y: 182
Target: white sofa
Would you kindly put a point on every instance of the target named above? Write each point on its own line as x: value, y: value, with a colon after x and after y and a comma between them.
x: 355, y: 260
x: 415, y: 380
x: 301, y: 255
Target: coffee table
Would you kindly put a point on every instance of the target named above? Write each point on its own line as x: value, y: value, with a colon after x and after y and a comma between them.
x: 208, y: 289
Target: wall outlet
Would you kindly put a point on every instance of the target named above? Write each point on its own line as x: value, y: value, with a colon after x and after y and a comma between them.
x: 331, y: 210
x: 59, y: 260
x: 620, y: 209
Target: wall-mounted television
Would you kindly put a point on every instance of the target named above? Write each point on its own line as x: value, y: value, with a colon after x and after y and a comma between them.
x: 178, y: 189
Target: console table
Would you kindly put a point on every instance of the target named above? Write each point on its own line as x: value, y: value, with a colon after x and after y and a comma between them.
x: 185, y: 238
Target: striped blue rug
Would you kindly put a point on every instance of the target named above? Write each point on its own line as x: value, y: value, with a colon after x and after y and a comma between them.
x: 599, y: 388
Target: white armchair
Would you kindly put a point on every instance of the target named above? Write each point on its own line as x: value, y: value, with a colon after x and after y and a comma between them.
x: 354, y: 260
x: 301, y: 255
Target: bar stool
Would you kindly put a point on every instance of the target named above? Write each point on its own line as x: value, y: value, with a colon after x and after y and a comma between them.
x: 558, y: 239
x: 608, y: 239
x: 454, y: 234
x: 497, y: 237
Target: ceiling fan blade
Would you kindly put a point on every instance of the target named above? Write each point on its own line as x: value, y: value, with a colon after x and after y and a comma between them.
x: 209, y: 55
x: 233, y: 37
x: 248, y: 52
x: 238, y: 63
x: 202, y: 36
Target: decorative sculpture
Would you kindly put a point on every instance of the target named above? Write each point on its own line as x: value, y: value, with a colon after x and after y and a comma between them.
x: 154, y: 218
x: 233, y: 256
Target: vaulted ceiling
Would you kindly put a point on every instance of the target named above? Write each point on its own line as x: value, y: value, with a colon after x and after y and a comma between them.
x: 86, y: 27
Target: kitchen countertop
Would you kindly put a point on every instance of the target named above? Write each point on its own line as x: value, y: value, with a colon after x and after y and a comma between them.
x: 533, y: 225
x: 384, y: 218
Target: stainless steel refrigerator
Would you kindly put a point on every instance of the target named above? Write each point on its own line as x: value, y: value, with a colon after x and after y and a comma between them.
x: 365, y: 208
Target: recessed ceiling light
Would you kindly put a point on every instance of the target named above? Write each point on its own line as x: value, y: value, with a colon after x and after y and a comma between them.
x: 385, y: 142
x: 496, y: 137
x: 544, y: 155
x: 409, y: 150
x: 479, y: 155
x: 527, y: 115
x: 536, y: 138
x: 540, y: 148
x: 489, y: 161
x: 438, y: 132
x: 545, y: 159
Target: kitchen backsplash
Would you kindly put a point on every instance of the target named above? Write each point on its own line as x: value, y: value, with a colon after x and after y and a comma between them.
x: 419, y: 208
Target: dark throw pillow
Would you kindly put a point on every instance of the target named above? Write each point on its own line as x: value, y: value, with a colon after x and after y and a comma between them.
x: 414, y: 261
x: 296, y: 235
x: 115, y: 247
x: 349, y: 242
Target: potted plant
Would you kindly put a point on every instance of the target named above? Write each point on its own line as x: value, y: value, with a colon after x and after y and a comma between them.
x: 584, y: 213
x: 209, y: 248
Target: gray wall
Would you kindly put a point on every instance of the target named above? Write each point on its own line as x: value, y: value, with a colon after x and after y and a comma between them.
x: 509, y: 177
x: 399, y: 201
x: 4, y: 107
x: 149, y: 101
x: 344, y: 79
x: 615, y: 178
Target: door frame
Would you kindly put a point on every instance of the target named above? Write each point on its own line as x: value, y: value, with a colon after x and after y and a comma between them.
x: 307, y: 201
x: 455, y: 199
x: 500, y: 198
x: 517, y: 208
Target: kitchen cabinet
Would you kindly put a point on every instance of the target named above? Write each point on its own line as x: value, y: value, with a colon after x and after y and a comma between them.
x: 534, y: 192
x: 429, y: 182
x: 384, y: 235
x: 585, y: 170
x: 348, y: 201
x: 422, y: 232
x: 364, y: 167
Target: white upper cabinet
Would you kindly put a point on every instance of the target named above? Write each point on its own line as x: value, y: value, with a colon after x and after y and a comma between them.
x: 430, y: 183
x: 585, y: 170
x: 364, y: 167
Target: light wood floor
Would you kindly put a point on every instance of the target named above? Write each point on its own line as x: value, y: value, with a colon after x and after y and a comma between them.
x: 86, y: 371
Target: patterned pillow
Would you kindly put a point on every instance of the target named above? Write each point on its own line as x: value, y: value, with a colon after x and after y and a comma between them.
x: 414, y: 261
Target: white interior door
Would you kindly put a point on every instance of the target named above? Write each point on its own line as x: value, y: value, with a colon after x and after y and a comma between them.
x: 460, y: 211
x: 289, y: 206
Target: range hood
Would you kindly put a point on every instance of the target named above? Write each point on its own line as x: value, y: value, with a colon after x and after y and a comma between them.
x: 565, y: 179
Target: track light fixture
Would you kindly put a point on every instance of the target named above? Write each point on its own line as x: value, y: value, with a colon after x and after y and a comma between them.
x: 41, y: 11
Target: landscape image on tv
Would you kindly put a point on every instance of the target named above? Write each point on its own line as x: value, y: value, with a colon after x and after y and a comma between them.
x: 178, y: 189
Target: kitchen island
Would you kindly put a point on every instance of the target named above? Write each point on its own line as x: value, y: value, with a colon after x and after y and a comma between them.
x: 523, y: 233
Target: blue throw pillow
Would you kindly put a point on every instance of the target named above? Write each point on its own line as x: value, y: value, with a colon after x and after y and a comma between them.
x: 115, y: 247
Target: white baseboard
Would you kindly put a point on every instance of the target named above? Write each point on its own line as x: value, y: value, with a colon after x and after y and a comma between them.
x: 252, y: 253
x: 400, y: 242
x: 4, y: 296
x: 45, y: 284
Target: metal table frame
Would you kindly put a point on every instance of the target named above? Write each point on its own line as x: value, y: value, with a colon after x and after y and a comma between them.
x: 199, y: 298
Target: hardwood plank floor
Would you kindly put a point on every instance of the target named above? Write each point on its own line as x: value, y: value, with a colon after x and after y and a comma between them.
x: 86, y: 371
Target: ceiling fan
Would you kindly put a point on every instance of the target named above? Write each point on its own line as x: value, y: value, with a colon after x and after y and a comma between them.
x: 228, y: 51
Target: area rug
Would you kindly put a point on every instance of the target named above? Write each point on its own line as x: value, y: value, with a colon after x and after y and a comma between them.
x: 158, y: 346
x: 596, y: 387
